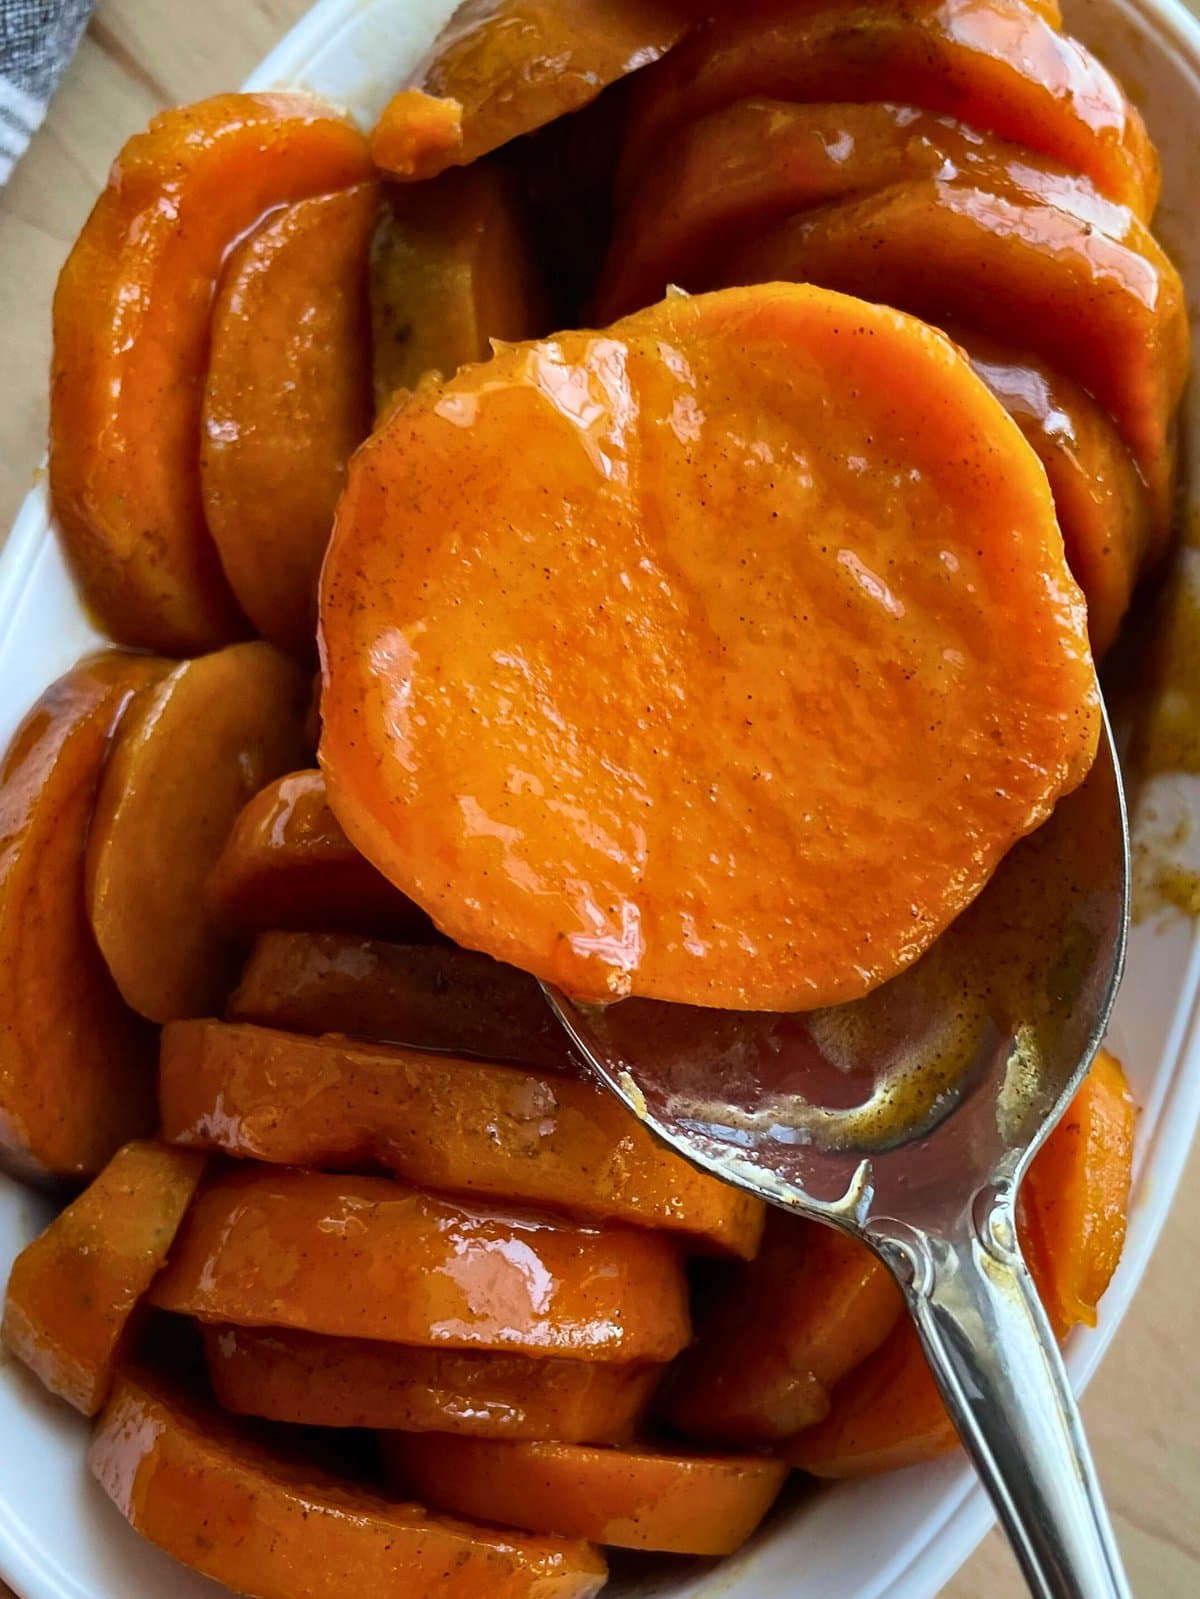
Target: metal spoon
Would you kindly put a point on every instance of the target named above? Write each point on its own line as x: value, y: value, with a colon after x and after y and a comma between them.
x: 908, y: 1119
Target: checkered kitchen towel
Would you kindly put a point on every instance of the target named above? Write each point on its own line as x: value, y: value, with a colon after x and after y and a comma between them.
x: 37, y: 40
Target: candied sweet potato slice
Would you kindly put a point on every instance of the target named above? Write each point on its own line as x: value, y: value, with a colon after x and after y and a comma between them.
x: 994, y: 64
x: 265, y: 1522
x: 633, y: 1498
x: 73, y: 1291
x: 191, y: 752
x: 1101, y: 303
x: 747, y: 166
x: 313, y: 1380
x: 895, y: 602
x: 513, y: 66
x: 1075, y: 1200
x: 1100, y: 497
x: 451, y: 270
x: 807, y: 1311
x: 364, y: 1257
x: 76, y: 1070
x: 460, y: 1126
x: 286, y: 400
x: 131, y: 325
x: 288, y: 864
x: 428, y: 997
x: 888, y: 1412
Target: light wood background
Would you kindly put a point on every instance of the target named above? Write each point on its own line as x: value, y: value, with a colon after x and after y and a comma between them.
x: 1143, y: 1410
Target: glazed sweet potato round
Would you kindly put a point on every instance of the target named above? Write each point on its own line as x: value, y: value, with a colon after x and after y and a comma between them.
x: 264, y: 1521
x: 717, y: 658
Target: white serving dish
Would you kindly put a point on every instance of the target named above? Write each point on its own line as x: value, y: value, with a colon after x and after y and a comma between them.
x: 900, y: 1537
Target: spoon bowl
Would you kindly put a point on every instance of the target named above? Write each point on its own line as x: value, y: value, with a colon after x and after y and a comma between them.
x: 908, y: 1119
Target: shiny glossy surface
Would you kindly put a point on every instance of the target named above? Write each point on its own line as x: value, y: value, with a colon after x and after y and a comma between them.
x: 996, y: 64
x: 318, y: 1381
x: 631, y: 1498
x: 287, y: 397
x: 691, y: 826
x: 367, y: 1258
x: 73, y: 1292
x: 1102, y: 303
x: 264, y: 1522
x: 76, y: 1064
x: 287, y: 864
x: 438, y: 997
x: 189, y: 755
x: 455, y: 1125
x: 131, y: 323
x: 729, y: 175
x: 808, y: 1310
x: 451, y: 270
x: 514, y: 65
x: 1100, y: 497
x: 887, y: 1413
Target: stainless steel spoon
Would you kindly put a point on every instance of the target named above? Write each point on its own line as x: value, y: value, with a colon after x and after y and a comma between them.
x: 908, y: 1120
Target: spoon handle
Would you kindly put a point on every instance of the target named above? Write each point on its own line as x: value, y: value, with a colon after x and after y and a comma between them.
x: 998, y: 1366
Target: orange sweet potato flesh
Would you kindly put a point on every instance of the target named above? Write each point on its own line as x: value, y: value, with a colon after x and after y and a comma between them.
x: 73, y: 1292
x: 288, y: 864
x: 745, y: 167
x: 1076, y: 1198
x: 1102, y: 303
x: 513, y: 66
x: 1100, y: 498
x: 264, y: 1522
x: 311, y: 1380
x: 363, y: 1257
x: 76, y: 1070
x: 427, y: 997
x: 468, y: 1127
x: 131, y: 323
x: 451, y: 269
x: 888, y: 1413
x: 632, y: 1498
x: 286, y: 400
x: 799, y: 1318
x: 188, y: 756
x: 896, y: 604
x: 994, y: 64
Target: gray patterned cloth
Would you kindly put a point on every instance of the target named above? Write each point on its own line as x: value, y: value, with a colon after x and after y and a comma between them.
x: 37, y: 40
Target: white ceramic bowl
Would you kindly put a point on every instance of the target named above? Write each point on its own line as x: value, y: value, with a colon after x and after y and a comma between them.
x: 899, y: 1537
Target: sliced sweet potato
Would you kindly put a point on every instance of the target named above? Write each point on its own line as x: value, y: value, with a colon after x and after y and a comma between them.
x: 1075, y: 1200
x: 461, y: 1126
x: 1103, y: 305
x: 131, y: 322
x: 865, y: 628
x: 286, y: 399
x: 807, y: 1311
x: 994, y: 64
x: 74, y: 1290
x: 633, y: 1498
x: 1100, y: 498
x: 513, y: 66
x: 426, y: 997
x: 288, y: 864
x: 366, y: 1258
x: 265, y: 1522
x: 888, y: 1412
x: 451, y: 269
x: 188, y: 756
x: 745, y: 167
x: 318, y: 1381
x: 76, y: 1069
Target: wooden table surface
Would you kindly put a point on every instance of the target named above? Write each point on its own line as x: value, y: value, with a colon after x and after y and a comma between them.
x: 1143, y: 1410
